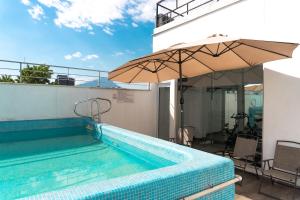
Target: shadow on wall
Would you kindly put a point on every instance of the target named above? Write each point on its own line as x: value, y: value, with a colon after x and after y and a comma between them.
x: 281, y: 110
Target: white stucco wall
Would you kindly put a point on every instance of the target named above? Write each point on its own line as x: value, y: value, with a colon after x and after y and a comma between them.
x: 281, y: 109
x: 255, y: 19
x: 21, y: 101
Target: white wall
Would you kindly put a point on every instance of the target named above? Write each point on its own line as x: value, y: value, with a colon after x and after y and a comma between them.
x: 255, y: 19
x: 281, y: 110
x: 21, y: 101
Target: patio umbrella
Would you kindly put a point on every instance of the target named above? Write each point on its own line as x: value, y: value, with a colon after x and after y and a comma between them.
x: 216, y: 53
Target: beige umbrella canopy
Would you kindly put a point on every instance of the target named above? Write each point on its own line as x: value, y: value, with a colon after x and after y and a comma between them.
x: 216, y: 53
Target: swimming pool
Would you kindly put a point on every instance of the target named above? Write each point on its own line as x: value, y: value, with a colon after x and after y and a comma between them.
x: 74, y: 159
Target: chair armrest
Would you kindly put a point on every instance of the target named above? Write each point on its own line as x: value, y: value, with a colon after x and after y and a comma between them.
x: 250, y: 156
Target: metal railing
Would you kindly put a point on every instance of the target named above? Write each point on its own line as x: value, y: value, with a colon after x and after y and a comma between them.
x: 93, y: 101
x: 168, y: 10
x: 18, y: 72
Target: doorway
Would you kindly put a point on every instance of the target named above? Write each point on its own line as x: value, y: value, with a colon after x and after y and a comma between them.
x: 163, y: 113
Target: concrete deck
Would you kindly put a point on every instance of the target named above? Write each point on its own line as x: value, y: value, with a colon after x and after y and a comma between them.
x: 249, y: 189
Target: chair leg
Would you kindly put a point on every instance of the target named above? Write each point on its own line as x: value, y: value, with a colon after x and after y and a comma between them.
x: 272, y: 181
x: 260, y: 185
x: 257, y: 176
x: 263, y: 193
x: 294, y: 191
x: 244, y: 173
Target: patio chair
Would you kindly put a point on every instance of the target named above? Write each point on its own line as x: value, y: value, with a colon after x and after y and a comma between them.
x: 244, y: 153
x: 284, y: 167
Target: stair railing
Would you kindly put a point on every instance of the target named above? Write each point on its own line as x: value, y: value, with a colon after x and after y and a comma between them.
x: 96, y: 116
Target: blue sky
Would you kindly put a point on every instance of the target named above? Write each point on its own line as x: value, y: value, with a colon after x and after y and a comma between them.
x: 80, y: 33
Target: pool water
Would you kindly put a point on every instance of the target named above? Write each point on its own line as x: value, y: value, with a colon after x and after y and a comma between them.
x: 29, y: 167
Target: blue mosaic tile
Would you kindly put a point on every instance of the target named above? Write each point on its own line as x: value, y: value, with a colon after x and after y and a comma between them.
x: 193, y: 171
x: 25, y: 125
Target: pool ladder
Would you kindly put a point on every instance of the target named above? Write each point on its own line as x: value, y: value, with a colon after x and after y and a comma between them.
x: 96, y: 116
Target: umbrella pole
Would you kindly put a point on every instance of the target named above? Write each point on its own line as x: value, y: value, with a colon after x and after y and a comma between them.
x: 181, y: 100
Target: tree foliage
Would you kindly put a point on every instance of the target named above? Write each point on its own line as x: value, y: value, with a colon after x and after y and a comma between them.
x: 38, y: 74
x: 6, y: 78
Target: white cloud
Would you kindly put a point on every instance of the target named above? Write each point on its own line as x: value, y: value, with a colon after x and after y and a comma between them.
x: 84, y: 14
x: 129, y: 51
x: 68, y: 57
x: 143, y: 10
x: 25, y: 2
x: 108, y: 30
x: 134, y: 25
x: 90, y: 57
x: 36, y: 12
x: 92, y: 33
x: 119, y: 53
x: 76, y: 54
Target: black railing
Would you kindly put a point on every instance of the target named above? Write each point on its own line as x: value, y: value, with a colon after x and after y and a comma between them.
x: 168, y: 10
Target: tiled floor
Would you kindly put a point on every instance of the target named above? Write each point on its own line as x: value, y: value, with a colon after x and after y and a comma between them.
x: 240, y: 197
x: 250, y: 186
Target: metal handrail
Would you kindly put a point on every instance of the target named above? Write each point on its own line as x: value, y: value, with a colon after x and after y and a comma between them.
x: 177, y: 11
x: 78, y: 74
x: 93, y: 101
x: 50, y: 65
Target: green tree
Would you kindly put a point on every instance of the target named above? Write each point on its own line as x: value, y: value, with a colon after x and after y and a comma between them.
x: 40, y: 74
x: 6, y: 78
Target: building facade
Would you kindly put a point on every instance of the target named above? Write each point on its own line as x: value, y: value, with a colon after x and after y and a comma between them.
x: 252, y: 19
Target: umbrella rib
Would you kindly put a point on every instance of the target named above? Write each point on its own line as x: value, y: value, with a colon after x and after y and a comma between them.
x: 174, y: 60
x: 266, y: 50
x: 157, y: 77
x: 166, y: 66
x: 218, y: 48
x: 228, y: 48
x: 136, y: 75
x: 203, y: 63
x: 192, y: 53
x: 155, y: 54
x: 212, y: 53
x: 142, y: 62
x: 121, y: 72
x: 239, y: 56
x: 143, y: 68
x: 156, y: 72
x: 125, y: 71
x: 171, y: 56
x: 130, y: 65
